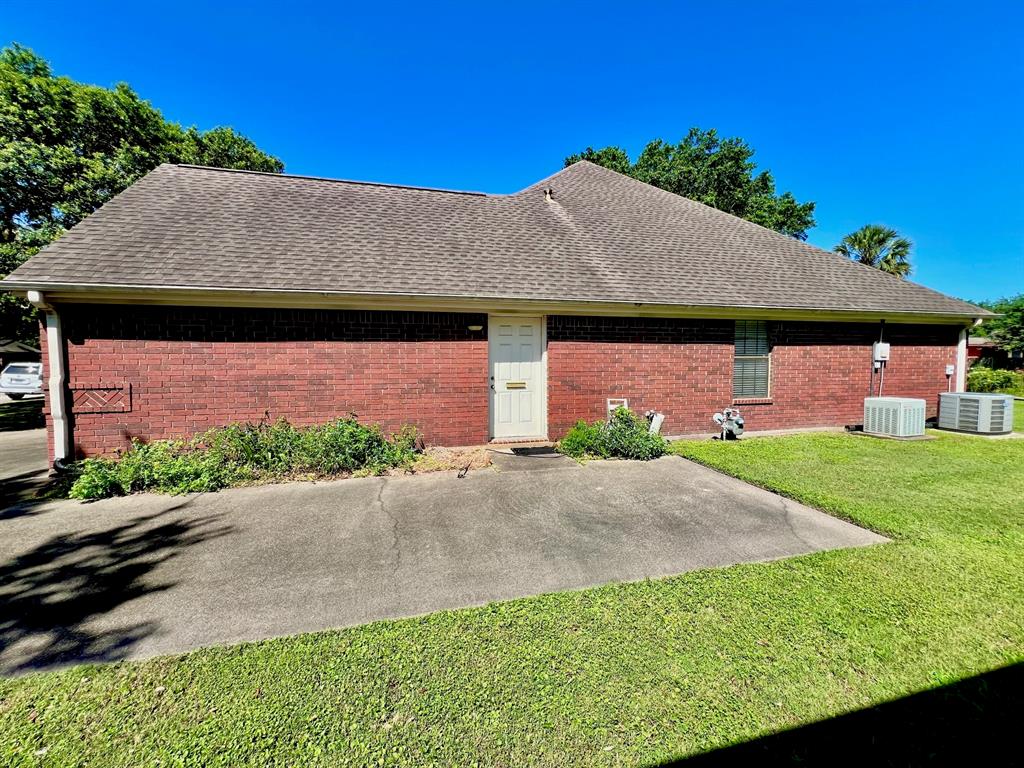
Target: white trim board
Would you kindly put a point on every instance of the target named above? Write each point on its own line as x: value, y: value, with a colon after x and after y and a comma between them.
x: 266, y: 298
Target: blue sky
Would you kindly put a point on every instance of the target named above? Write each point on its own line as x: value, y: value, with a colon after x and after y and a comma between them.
x: 907, y: 114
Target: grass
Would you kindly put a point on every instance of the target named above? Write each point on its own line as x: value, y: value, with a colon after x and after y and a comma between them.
x: 620, y: 675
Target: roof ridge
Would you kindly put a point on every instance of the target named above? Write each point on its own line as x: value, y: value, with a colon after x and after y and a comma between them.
x: 306, y: 177
x: 557, y: 173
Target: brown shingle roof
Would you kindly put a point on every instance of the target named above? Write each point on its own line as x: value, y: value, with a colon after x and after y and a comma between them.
x: 603, y: 237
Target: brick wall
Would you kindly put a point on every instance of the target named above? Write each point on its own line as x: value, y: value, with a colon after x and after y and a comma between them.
x: 676, y: 366
x: 819, y: 371
x: 192, y: 368
x: 154, y: 372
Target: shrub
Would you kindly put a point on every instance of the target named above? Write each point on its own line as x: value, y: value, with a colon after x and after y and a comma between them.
x: 624, y: 435
x: 240, y: 453
x: 97, y: 479
x: 629, y: 436
x: 584, y: 440
x: 981, y: 379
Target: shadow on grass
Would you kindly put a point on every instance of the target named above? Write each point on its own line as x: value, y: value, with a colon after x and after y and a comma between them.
x: 970, y: 722
x: 51, y: 595
x: 16, y: 415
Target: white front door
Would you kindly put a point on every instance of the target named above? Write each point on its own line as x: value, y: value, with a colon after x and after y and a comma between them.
x: 518, y: 378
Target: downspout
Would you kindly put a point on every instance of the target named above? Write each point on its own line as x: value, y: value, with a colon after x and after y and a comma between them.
x: 961, y: 361
x: 58, y: 377
x: 961, y: 357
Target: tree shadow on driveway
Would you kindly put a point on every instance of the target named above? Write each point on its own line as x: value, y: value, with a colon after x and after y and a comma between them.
x: 17, y: 493
x: 50, y: 595
x: 16, y: 415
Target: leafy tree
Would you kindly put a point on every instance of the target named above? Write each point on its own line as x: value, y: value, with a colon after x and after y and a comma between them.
x: 1006, y: 331
x: 68, y: 147
x: 223, y: 148
x: 613, y: 158
x: 879, y: 247
x: 714, y: 171
x: 18, y: 317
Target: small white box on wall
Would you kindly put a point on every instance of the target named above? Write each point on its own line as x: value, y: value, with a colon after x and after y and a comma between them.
x: 616, y: 402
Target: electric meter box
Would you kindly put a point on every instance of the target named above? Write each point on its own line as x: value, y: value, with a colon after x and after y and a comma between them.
x: 880, y: 351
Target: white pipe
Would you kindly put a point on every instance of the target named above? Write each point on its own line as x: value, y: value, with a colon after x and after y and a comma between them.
x: 961, y: 362
x: 58, y: 377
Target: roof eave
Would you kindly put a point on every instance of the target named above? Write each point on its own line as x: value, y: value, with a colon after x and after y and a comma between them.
x: 93, y: 293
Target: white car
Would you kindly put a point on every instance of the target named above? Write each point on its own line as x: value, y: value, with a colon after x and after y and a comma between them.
x: 20, y: 379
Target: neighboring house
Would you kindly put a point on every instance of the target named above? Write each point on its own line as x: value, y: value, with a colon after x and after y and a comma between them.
x: 983, y: 349
x: 14, y: 351
x: 202, y: 296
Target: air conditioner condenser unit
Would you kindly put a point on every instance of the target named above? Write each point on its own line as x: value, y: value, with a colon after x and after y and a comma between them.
x: 894, y: 416
x: 981, y: 413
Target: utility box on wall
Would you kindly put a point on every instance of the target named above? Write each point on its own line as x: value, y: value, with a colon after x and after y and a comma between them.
x: 894, y: 416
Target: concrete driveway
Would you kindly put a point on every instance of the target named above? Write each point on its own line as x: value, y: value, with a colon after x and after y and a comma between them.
x: 23, y: 460
x: 130, y: 578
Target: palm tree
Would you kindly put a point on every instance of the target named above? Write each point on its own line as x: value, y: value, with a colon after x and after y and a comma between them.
x: 879, y: 247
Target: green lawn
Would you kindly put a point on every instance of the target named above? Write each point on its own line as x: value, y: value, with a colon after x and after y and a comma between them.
x: 625, y: 674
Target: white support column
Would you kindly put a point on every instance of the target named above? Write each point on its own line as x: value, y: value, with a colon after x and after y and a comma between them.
x: 58, y: 377
x: 961, y: 362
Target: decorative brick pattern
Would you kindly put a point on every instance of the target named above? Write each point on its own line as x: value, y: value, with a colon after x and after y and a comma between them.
x: 101, y: 399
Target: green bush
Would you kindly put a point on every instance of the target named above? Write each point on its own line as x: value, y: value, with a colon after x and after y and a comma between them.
x: 240, y: 453
x: 981, y: 379
x: 585, y: 440
x: 625, y: 435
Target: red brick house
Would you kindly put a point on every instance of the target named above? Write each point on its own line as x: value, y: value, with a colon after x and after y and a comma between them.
x: 202, y: 296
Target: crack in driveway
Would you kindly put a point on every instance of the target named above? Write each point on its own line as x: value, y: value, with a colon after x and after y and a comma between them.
x: 395, y: 549
x: 787, y: 515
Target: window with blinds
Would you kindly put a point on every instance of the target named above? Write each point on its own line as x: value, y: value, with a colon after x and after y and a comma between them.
x: 752, y: 365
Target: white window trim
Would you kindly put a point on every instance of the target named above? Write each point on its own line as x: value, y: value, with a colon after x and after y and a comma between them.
x: 768, y: 355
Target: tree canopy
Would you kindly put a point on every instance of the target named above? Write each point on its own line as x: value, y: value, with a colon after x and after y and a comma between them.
x: 879, y: 247
x: 714, y: 171
x: 68, y: 147
x: 1006, y: 331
